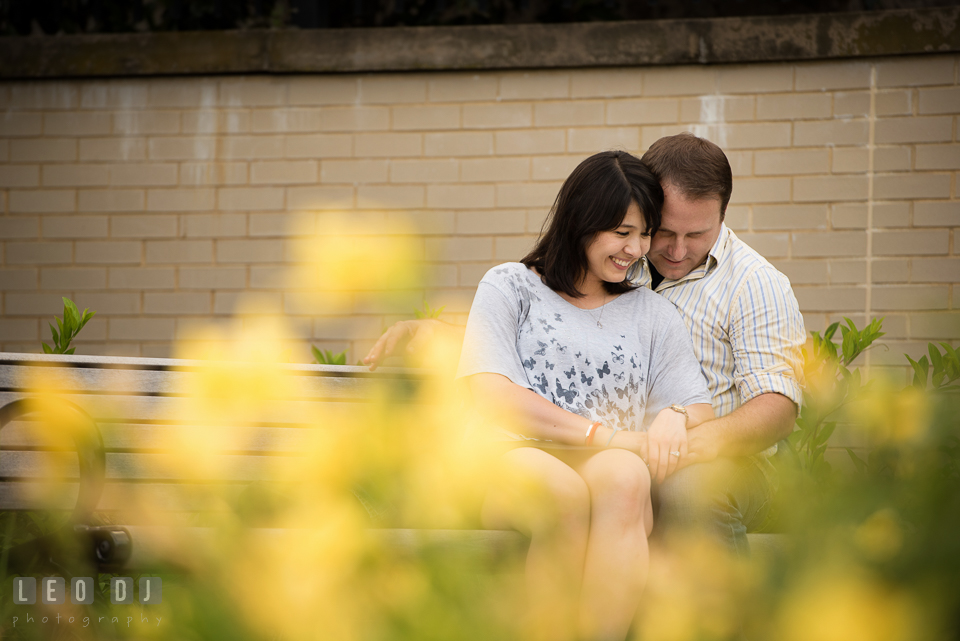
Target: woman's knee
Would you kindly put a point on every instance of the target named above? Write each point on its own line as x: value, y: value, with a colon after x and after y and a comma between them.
x: 618, y: 478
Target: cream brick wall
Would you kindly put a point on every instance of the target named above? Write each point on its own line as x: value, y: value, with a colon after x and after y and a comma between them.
x: 168, y: 203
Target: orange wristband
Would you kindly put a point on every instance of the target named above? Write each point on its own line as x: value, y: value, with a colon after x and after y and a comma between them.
x: 591, y: 432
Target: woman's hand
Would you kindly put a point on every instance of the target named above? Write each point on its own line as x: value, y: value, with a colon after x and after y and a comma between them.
x: 666, y: 437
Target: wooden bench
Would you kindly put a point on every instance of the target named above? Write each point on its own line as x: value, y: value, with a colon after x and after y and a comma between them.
x: 104, y: 436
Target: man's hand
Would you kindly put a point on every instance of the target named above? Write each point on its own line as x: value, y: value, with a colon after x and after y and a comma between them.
x: 667, y: 433
x: 409, y: 334
x: 749, y: 429
x: 703, y: 445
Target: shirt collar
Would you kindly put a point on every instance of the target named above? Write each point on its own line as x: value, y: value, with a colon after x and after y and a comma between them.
x: 714, y: 257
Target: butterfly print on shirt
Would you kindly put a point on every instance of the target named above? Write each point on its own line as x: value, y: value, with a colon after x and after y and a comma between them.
x: 542, y: 350
x: 530, y: 363
x: 604, y: 370
x: 567, y: 394
x: 586, y: 380
x: 541, y: 383
x: 571, y: 372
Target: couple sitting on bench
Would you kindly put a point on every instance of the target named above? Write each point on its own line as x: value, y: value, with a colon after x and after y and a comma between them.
x: 572, y: 347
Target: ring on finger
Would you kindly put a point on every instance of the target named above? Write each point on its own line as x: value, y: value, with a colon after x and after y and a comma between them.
x: 677, y: 454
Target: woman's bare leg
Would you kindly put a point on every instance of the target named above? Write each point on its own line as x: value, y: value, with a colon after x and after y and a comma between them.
x: 618, y: 558
x: 545, y: 499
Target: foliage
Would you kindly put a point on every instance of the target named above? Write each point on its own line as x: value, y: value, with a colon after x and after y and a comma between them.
x: 427, y: 311
x: 946, y: 369
x: 831, y: 386
x: 891, y: 527
x: 326, y: 357
x: 73, y: 321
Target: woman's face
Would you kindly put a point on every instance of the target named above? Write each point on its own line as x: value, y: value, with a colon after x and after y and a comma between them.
x: 611, y: 253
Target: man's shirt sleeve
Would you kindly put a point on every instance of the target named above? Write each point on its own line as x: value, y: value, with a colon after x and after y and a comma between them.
x: 767, y: 334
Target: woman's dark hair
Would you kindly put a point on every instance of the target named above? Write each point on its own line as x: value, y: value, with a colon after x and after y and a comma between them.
x: 594, y: 198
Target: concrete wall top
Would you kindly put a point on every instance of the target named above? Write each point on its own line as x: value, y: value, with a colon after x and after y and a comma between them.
x: 526, y: 46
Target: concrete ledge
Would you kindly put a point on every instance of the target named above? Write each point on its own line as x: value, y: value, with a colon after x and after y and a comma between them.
x: 529, y: 46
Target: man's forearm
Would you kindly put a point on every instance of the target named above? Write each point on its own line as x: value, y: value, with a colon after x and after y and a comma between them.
x: 751, y: 428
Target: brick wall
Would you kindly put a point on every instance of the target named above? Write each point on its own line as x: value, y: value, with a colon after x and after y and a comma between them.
x: 167, y: 204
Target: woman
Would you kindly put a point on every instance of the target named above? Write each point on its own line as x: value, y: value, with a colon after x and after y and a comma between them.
x: 564, y: 349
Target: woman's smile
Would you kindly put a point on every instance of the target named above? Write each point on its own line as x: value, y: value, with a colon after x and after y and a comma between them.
x: 613, y: 252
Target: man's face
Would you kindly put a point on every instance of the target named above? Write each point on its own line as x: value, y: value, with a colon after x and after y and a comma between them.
x: 688, y: 230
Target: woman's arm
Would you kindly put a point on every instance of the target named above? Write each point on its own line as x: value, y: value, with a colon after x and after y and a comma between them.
x: 699, y: 413
x: 522, y: 410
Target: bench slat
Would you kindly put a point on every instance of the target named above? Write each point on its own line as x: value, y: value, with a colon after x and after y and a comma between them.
x: 143, y: 436
x: 121, y: 499
x: 140, y: 466
x: 148, y: 382
x: 132, y: 409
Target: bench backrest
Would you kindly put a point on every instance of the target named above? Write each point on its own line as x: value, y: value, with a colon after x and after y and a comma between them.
x: 249, y: 420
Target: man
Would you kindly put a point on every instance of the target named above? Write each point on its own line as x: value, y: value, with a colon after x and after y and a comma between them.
x: 747, y: 332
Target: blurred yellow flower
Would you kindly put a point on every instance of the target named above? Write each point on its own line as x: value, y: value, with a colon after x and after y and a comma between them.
x: 843, y: 603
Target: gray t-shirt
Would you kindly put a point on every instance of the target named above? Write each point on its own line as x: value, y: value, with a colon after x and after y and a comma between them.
x: 622, y: 374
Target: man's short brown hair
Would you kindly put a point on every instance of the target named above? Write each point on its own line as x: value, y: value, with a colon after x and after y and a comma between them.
x: 695, y: 166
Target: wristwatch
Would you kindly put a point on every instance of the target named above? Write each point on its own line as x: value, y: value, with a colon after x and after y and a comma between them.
x: 681, y: 410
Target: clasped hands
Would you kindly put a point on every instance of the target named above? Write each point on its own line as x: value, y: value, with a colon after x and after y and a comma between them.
x: 663, y: 447
x: 658, y: 446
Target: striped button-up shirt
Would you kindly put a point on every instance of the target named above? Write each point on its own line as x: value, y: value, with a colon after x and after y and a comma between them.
x: 745, y: 322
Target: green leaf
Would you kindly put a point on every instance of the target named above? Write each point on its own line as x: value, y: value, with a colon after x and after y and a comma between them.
x: 46, y: 349
x: 850, y: 351
x: 937, y: 379
x: 852, y: 325
x: 936, y: 359
x: 825, y: 433
x: 858, y: 462
x: 71, y: 351
x: 317, y: 356
x: 56, y: 336
x: 85, y: 319
x: 920, y: 370
x: 69, y: 304
x: 831, y: 330
x: 71, y: 316
x: 427, y: 311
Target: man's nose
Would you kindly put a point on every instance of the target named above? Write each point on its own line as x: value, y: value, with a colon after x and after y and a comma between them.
x: 676, y: 248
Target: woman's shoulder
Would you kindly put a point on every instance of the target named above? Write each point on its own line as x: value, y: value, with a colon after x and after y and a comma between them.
x: 651, y: 305
x: 648, y: 298
x: 510, y: 274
